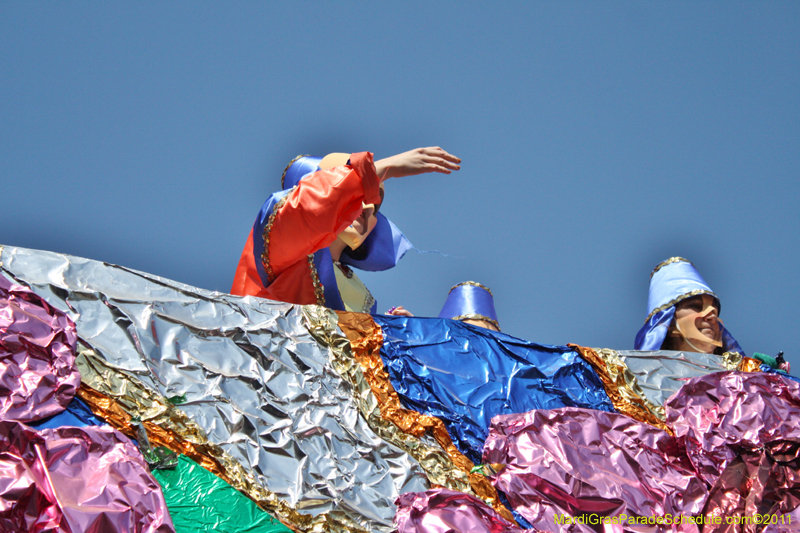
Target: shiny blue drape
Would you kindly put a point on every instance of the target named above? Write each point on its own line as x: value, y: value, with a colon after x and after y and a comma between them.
x: 465, y: 375
x: 77, y: 414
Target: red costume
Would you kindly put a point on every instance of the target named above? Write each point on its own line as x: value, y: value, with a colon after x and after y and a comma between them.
x: 279, y: 261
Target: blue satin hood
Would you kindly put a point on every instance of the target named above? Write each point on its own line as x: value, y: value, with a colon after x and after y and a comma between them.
x: 672, y: 281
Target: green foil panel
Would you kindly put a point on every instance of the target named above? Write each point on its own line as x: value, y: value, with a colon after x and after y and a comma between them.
x: 200, y: 501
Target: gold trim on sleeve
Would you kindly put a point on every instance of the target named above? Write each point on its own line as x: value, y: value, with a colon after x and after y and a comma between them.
x: 265, y: 236
x: 319, y: 290
x: 292, y: 162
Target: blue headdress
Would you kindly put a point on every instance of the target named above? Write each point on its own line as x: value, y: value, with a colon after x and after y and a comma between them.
x: 670, y: 282
x: 470, y: 301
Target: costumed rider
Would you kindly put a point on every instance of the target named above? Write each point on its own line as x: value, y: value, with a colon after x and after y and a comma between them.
x: 307, y: 238
x: 683, y: 313
x: 471, y: 303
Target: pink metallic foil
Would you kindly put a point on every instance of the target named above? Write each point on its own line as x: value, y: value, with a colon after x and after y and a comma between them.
x: 38, y: 377
x: 722, y: 414
x: 89, y: 480
x: 444, y: 511
x: 573, y: 461
x: 742, y: 432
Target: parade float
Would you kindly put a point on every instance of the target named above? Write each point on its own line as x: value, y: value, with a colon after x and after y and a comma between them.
x: 129, y: 402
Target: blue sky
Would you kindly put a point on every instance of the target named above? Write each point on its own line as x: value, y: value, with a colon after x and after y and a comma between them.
x: 597, y: 139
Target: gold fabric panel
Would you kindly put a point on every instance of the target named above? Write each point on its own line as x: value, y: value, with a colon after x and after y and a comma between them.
x: 365, y: 340
x: 622, y: 387
x: 117, y: 397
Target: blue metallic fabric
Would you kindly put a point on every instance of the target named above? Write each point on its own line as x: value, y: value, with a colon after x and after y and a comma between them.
x: 465, y: 375
x: 465, y: 299
x: 770, y: 370
x: 77, y: 414
x: 670, y: 284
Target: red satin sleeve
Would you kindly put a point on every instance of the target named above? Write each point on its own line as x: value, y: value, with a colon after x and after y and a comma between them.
x: 320, y: 207
x: 247, y: 281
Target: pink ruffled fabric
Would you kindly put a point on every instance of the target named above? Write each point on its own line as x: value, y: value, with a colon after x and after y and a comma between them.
x: 38, y: 377
x: 76, y: 480
x: 446, y: 511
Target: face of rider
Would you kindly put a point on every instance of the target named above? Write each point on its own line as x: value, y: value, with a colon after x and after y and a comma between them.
x: 697, y: 327
x: 357, y: 232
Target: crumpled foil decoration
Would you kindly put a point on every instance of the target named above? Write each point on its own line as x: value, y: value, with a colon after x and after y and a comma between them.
x: 77, y: 414
x: 742, y: 433
x: 639, y: 382
x: 734, y: 456
x: 38, y: 377
x: 255, y: 380
x: 571, y: 461
x: 119, y: 397
x: 443, y: 464
x: 446, y: 511
x: 465, y: 375
x: 199, y: 501
x: 76, y: 480
x: 622, y: 386
x: 661, y: 373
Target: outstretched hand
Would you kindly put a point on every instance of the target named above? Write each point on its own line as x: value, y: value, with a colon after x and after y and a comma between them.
x: 418, y: 161
x: 398, y: 311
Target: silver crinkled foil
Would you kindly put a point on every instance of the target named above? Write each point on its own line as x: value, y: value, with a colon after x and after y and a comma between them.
x: 246, y: 370
x: 661, y: 373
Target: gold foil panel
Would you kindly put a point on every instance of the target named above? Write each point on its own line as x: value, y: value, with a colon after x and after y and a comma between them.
x: 365, y: 341
x: 622, y: 387
x: 731, y: 360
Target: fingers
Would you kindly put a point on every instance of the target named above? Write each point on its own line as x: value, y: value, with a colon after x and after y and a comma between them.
x: 438, y: 160
x: 417, y: 161
x: 436, y: 151
x: 398, y: 311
